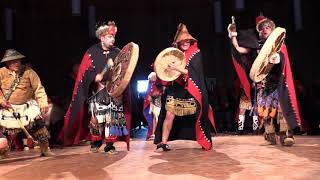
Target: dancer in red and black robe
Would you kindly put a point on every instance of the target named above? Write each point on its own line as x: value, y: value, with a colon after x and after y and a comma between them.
x: 109, y: 117
x: 192, y: 123
x: 244, y: 50
x: 276, y: 98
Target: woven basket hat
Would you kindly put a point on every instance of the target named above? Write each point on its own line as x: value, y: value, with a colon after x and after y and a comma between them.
x: 11, y: 54
x: 182, y: 34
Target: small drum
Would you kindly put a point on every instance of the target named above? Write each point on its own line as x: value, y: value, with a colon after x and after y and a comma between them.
x: 27, y: 113
x: 166, y: 57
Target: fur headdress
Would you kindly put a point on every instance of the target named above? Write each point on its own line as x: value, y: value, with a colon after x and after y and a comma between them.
x: 104, y: 29
x: 264, y: 21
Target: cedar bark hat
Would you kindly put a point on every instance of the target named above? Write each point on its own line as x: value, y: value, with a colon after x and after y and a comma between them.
x: 182, y: 34
x: 11, y: 54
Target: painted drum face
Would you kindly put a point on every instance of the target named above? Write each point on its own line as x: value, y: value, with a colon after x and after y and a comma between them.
x: 124, y: 66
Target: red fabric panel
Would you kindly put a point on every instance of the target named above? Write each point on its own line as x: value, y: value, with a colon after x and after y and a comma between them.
x: 289, y: 82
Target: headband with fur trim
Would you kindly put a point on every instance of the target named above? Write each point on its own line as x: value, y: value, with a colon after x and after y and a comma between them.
x: 104, y: 29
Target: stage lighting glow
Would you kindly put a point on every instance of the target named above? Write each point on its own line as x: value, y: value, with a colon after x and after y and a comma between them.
x: 142, y: 86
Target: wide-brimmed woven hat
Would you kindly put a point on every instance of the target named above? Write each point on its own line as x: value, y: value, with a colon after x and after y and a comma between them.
x: 11, y: 54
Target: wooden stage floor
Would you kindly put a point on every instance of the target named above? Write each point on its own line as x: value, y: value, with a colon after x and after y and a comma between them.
x: 233, y: 157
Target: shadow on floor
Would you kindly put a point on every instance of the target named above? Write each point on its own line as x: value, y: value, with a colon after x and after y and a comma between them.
x: 304, y: 147
x: 209, y: 164
x: 91, y: 166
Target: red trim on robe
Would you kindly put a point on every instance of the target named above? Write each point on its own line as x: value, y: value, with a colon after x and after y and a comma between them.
x: 195, y: 92
x: 242, y: 75
x: 287, y: 73
x: 77, y: 131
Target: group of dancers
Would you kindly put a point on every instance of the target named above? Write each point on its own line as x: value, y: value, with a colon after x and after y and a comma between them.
x: 177, y: 109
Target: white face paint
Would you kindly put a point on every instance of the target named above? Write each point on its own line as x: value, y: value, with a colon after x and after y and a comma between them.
x: 107, y: 41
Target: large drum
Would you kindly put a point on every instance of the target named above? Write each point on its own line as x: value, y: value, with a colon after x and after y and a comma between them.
x: 124, y: 65
x: 261, y: 66
x: 166, y: 57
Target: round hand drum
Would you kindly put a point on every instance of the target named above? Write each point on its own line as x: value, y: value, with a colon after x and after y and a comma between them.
x: 124, y: 65
x: 166, y: 57
x: 261, y: 66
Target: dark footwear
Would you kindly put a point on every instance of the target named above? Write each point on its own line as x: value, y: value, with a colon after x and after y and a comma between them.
x: 240, y: 132
x: 95, y: 146
x: 165, y: 147
x: 255, y: 132
x: 109, y: 148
